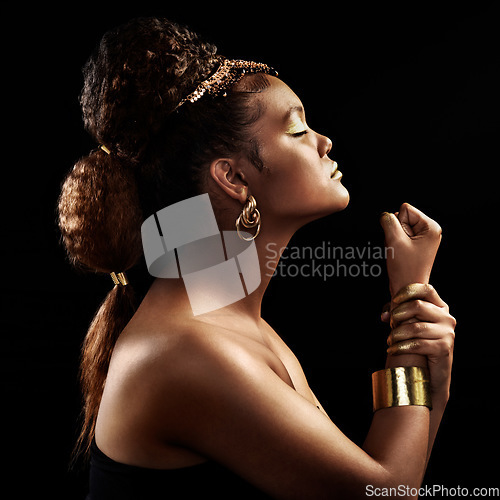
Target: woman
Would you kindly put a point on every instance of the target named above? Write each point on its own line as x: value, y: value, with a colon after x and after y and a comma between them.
x: 217, y: 403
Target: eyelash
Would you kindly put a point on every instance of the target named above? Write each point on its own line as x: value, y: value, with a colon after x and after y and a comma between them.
x: 298, y: 134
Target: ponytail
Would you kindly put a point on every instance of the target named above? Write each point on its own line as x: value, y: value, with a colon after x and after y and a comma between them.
x: 99, y: 219
x: 111, y: 318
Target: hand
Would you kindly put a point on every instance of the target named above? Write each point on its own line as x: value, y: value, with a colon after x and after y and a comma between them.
x: 421, y: 324
x: 412, y: 240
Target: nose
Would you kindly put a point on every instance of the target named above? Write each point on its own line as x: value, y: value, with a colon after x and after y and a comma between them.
x: 324, y: 145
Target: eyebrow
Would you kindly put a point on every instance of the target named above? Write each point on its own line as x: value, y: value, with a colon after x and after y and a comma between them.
x: 294, y: 109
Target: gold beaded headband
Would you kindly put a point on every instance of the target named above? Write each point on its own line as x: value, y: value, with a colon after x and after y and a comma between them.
x: 228, y: 73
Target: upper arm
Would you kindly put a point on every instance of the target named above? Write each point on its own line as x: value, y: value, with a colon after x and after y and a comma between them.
x: 231, y: 407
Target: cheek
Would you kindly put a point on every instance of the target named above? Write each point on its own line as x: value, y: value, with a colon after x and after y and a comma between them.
x: 293, y: 167
x: 297, y: 184
x: 288, y: 191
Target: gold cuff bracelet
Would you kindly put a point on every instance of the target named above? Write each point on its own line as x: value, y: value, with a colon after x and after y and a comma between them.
x: 401, y: 386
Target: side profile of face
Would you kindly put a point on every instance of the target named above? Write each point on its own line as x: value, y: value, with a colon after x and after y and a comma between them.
x: 297, y: 182
x: 296, y: 185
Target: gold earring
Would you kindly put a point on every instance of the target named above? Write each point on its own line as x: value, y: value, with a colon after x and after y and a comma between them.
x: 249, y: 218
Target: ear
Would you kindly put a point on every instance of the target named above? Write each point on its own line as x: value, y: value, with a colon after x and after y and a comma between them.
x: 231, y: 180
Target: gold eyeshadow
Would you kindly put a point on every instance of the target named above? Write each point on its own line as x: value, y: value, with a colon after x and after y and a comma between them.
x: 296, y: 128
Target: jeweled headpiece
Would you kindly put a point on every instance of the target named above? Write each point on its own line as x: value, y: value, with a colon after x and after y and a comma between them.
x: 228, y: 73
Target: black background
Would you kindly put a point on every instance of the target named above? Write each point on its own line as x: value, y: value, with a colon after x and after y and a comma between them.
x: 407, y: 95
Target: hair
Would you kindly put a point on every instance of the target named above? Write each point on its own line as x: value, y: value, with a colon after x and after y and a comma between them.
x: 132, y: 85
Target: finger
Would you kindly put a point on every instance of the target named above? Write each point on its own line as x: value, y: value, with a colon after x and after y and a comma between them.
x: 435, y: 348
x: 415, y: 222
x: 416, y: 330
x: 416, y: 310
x: 392, y: 228
x: 385, y: 315
x: 420, y: 291
x: 404, y: 219
x: 405, y: 347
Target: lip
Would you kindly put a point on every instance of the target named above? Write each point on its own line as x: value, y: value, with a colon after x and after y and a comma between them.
x: 336, y: 173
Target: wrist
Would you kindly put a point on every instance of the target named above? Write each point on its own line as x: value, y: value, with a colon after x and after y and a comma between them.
x: 441, y: 399
x: 401, y: 386
x: 393, y: 361
x: 396, y: 285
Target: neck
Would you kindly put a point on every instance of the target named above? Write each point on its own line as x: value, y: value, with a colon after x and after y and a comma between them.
x: 270, y: 243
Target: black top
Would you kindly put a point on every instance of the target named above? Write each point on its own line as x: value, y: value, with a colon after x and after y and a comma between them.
x: 110, y: 480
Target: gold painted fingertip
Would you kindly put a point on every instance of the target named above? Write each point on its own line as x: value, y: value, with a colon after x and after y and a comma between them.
x: 402, y: 347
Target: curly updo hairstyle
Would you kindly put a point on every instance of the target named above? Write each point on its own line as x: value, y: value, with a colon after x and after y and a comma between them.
x: 158, y: 156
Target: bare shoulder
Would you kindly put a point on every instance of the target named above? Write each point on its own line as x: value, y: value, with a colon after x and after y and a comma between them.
x: 205, y: 356
x: 185, y: 356
x: 159, y: 376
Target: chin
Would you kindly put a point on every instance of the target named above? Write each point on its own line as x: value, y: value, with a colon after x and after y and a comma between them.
x: 331, y: 204
x: 341, y: 199
x: 339, y: 203
x: 347, y: 198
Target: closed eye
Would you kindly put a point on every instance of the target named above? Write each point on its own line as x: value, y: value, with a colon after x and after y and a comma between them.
x: 298, y: 134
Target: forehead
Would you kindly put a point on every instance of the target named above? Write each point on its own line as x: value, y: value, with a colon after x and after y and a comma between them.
x: 279, y: 102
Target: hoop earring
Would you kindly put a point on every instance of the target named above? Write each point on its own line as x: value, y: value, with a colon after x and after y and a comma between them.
x: 249, y: 218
